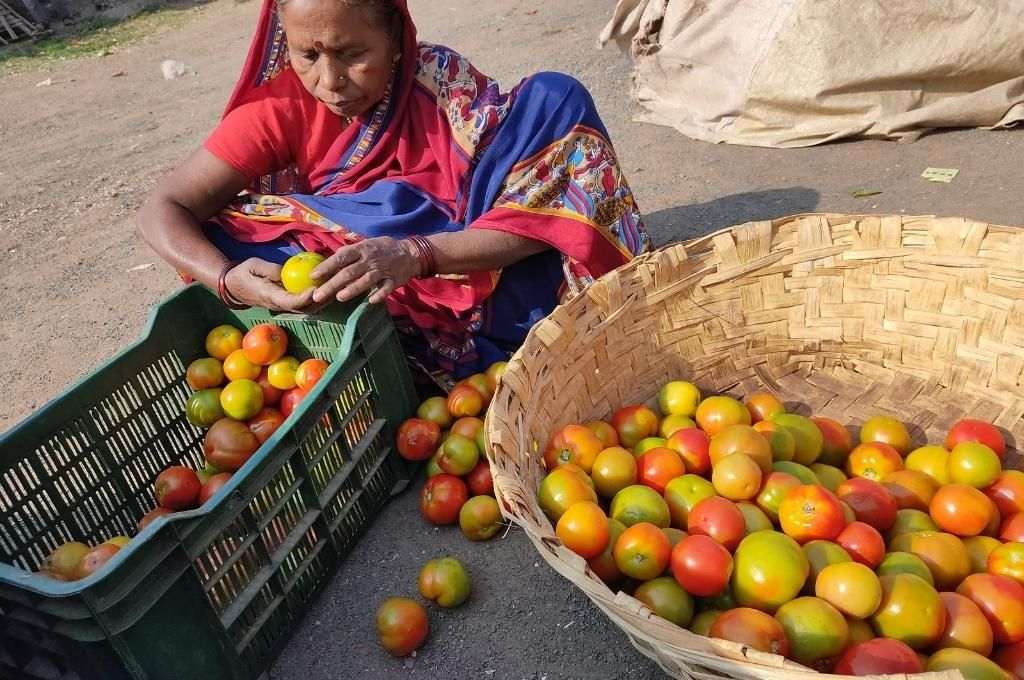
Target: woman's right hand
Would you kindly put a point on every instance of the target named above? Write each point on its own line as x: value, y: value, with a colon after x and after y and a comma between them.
x: 258, y: 283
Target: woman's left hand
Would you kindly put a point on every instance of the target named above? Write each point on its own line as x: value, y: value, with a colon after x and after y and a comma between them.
x: 377, y: 264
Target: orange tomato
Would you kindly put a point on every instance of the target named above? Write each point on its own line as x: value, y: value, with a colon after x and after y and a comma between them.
x: 873, y: 460
x: 911, y: 611
x: 764, y: 406
x: 741, y: 439
x: 752, y: 628
x: 1007, y: 492
x: 1012, y: 528
x: 281, y: 373
x: 204, y: 374
x: 886, y: 430
x: 1001, y: 600
x: 238, y: 367
x: 574, y: 444
x: 966, y: 626
x: 736, y: 477
x: 811, y: 512
x: 613, y: 470
x: 464, y: 401
x: 837, y: 442
x: 265, y: 343
x: 717, y: 413
x: 311, y: 370
x: 944, y: 554
x: 605, y: 432
x: 658, y: 467
x: 222, y: 341
x: 694, y: 447
x: 961, y: 510
x: 478, y: 381
x: 1008, y: 560
x: 584, y: 529
x: 850, y: 587
x: 563, y: 487
x: 634, y: 424
x: 642, y: 551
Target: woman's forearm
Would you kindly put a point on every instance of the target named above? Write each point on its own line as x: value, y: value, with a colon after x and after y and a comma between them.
x: 475, y: 250
x: 176, y: 235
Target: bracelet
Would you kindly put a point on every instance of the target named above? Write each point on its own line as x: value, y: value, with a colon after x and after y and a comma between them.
x: 229, y: 300
x: 425, y: 255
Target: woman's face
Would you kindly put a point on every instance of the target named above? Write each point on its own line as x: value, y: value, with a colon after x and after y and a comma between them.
x: 343, y: 59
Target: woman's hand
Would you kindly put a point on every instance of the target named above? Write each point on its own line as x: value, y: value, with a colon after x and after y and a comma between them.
x: 377, y: 264
x: 258, y: 283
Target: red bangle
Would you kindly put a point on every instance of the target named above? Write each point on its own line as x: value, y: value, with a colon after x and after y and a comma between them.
x: 229, y: 300
x: 425, y: 255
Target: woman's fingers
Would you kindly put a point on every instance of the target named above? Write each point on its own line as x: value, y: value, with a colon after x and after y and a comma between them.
x: 384, y: 288
x: 360, y: 286
x: 341, y: 280
x: 336, y: 262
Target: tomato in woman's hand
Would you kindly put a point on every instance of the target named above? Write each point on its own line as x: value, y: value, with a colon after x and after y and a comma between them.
x: 229, y: 444
x: 811, y: 512
x: 634, y: 424
x: 401, y: 625
x: 177, y: 488
x: 574, y: 444
x: 971, y: 430
x: 265, y: 343
x: 265, y: 423
x: 479, y: 479
x: 701, y: 565
x: 418, y: 439
x: 445, y: 581
x: 212, y: 486
x: 442, y: 498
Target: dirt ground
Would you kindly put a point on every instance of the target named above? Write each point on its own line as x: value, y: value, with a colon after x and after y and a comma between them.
x: 77, y: 156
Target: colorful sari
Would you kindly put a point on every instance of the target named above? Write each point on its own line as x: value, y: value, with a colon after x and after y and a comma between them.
x: 447, y: 150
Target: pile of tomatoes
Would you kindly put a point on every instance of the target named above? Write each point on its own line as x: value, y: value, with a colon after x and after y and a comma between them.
x: 787, y: 534
x: 449, y: 432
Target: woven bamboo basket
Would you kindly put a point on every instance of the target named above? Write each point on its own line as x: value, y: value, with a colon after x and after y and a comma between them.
x: 921, y: 318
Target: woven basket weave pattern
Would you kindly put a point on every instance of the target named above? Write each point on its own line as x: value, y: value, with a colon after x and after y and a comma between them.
x: 843, y: 316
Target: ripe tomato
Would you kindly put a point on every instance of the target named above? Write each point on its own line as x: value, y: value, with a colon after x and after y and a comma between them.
x: 898, y: 562
x: 238, y: 367
x: 640, y: 503
x: 177, y: 488
x: 887, y: 431
x: 672, y: 424
x: 682, y: 493
x: 736, y: 477
x: 435, y: 409
x: 974, y: 464
x: 1012, y: 528
x: 467, y: 427
x: 203, y: 408
x: 297, y: 272
x: 863, y: 542
x: 563, y: 486
x: 780, y: 440
x: 574, y: 444
x: 969, y: 664
x: 458, y: 455
x: 494, y: 374
x: 741, y: 439
x: 614, y: 469
x: 931, y: 460
x: 480, y: 518
x: 634, y: 424
x: 222, y: 341
x: 94, y: 560
x: 1007, y: 492
x: 202, y: 374
x: 807, y: 435
x: 667, y: 599
x: 657, y: 467
x: 694, y: 447
x: 212, y: 486
x: 265, y: 423
x: 944, y: 554
x: 811, y: 512
x: 970, y: 430
x: 911, y: 488
x: 584, y: 529
x: 714, y: 414
x: 442, y: 498
x: 464, y: 400
x: 241, y: 399
x: 769, y: 570
x: 961, y: 510
x: 871, y: 502
x: 911, y: 611
x: 401, y: 625
x: 718, y: 518
x: 642, y: 551
x: 271, y: 395
x: 479, y: 480
x: 764, y: 406
x: 679, y: 398
x: 773, y: 489
x: 851, y: 588
x: 879, y: 657
x: 478, y: 381
x: 265, y: 343
x: 1001, y: 600
x: 815, y: 629
x: 837, y: 442
x: 417, y: 439
x: 873, y: 460
x: 966, y: 625
x: 701, y: 565
x: 1008, y: 560
x: 228, y: 444
x: 605, y: 432
x: 752, y: 628
x: 290, y: 401
x: 604, y: 564
x: 978, y: 550
x: 281, y: 373
x: 150, y: 517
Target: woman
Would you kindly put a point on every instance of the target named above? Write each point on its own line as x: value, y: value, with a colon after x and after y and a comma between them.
x: 467, y: 210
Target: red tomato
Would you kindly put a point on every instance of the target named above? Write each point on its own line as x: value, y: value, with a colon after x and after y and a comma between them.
x: 290, y: 400
x: 961, y: 510
x: 1007, y: 492
x: 151, y: 516
x: 1001, y: 600
x: 863, y: 542
x: 479, y: 479
x: 701, y: 565
x: 871, y: 502
x: 880, y: 656
x: 442, y: 497
x: 658, y: 467
x: 401, y: 625
x: 177, y: 488
x: 718, y: 518
x: 809, y: 513
x: 634, y: 424
x: 309, y: 372
x: 212, y: 486
x: 418, y: 439
x: 970, y: 430
x: 693, y: 446
x: 265, y: 423
x: 1012, y: 528
x: 265, y: 343
x: 228, y: 444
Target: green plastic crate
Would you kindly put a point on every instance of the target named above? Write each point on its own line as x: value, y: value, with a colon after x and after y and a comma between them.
x: 213, y: 592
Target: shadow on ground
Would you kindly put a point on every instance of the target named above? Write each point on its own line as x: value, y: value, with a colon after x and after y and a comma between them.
x: 697, y: 219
